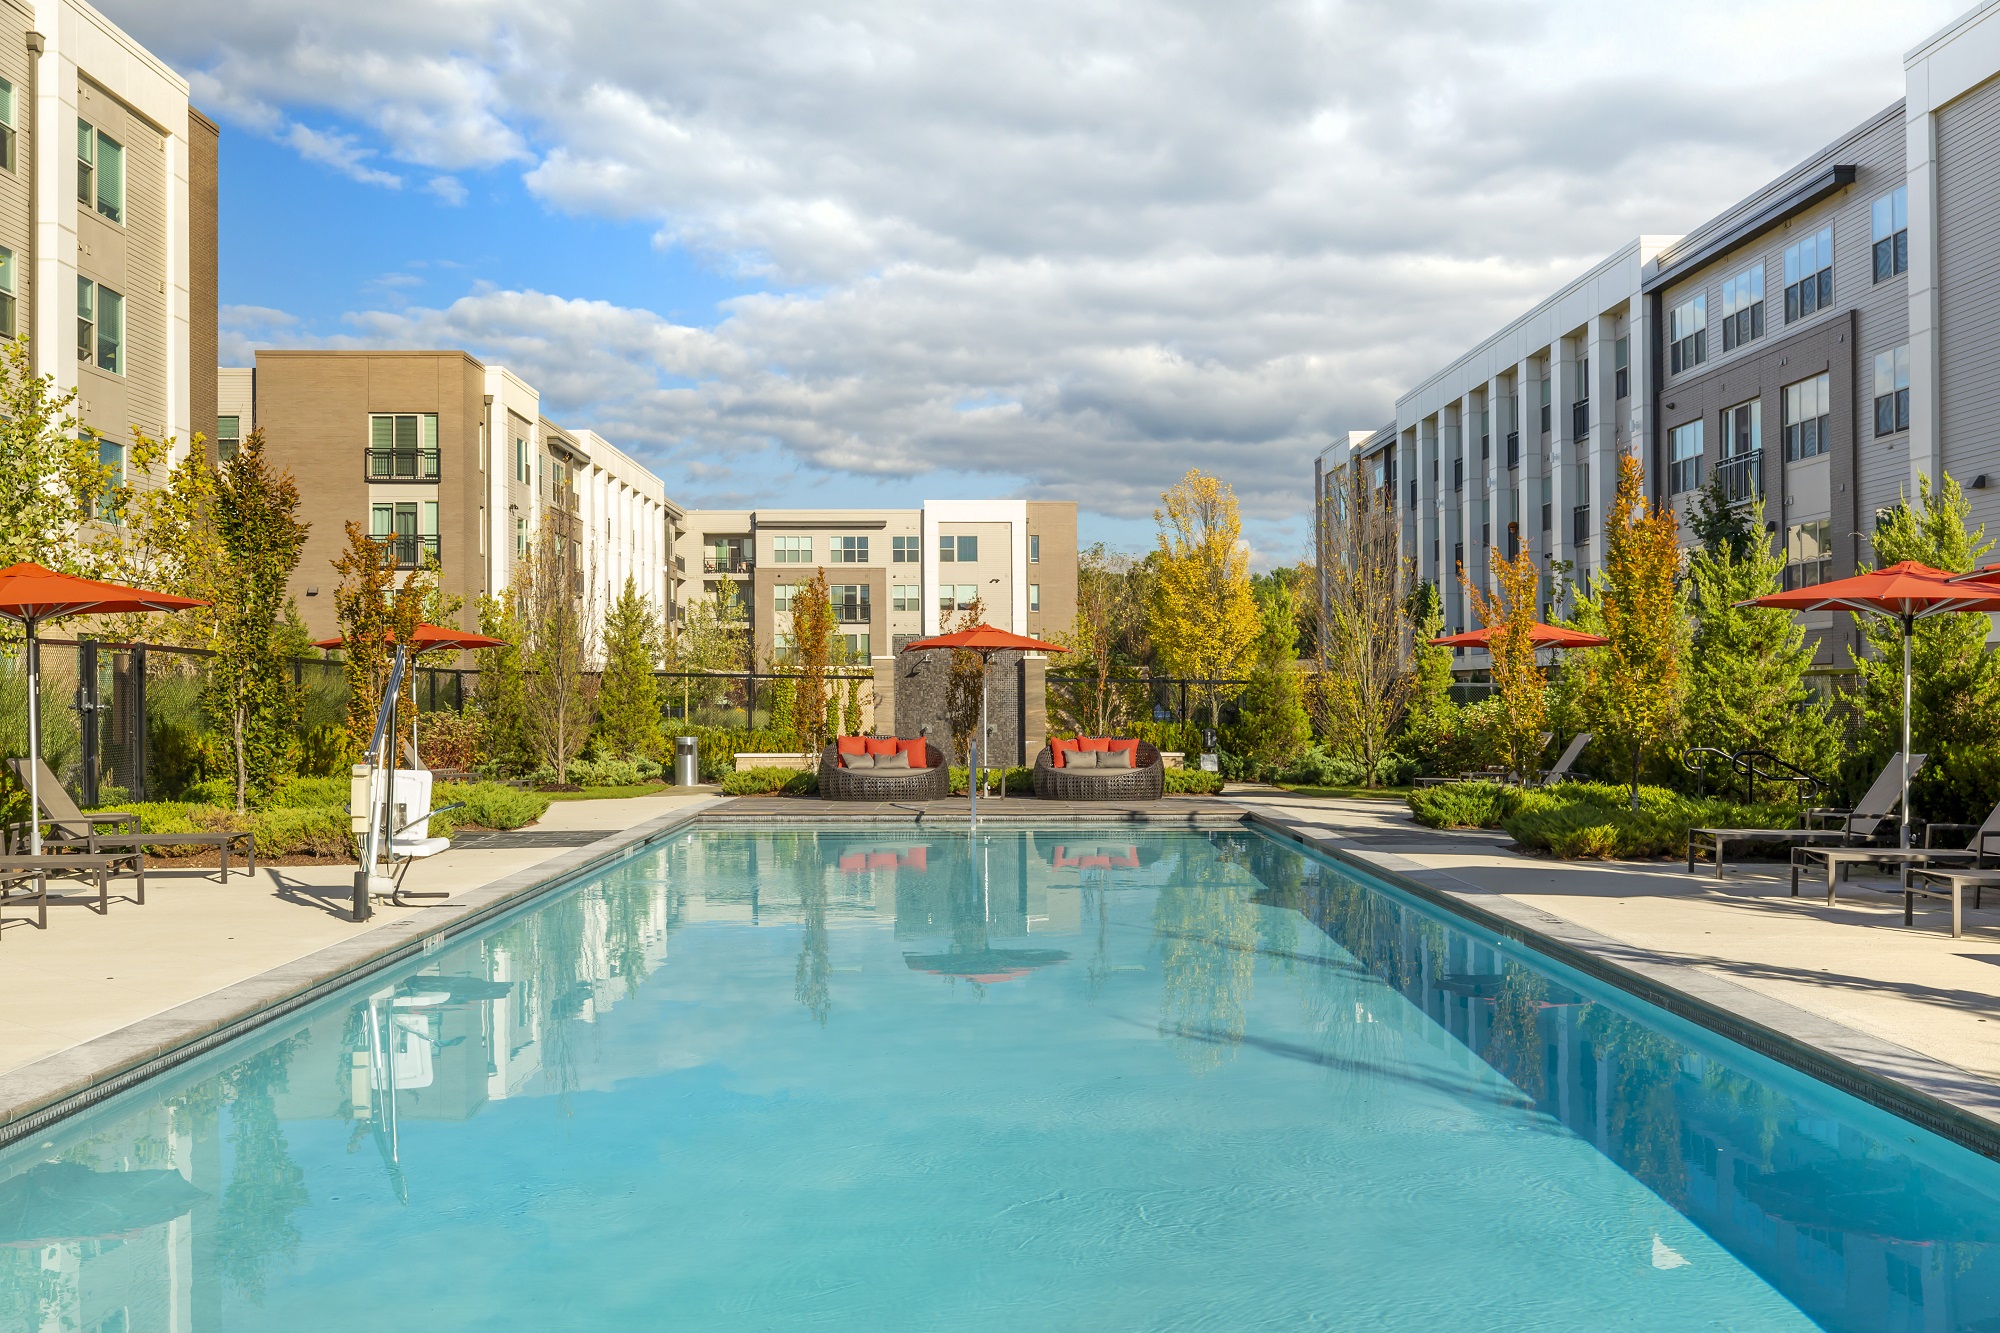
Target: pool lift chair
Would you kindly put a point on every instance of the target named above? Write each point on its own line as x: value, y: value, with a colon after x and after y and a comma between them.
x: 380, y: 801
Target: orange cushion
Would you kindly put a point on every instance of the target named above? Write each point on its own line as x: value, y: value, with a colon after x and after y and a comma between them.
x: 853, y: 861
x: 1130, y: 747
x: 918, y: 750
x: 881, y: 860
x: 1058, y: 746
x: 918, y: 858
x: 853, y: 744
x: 1094, y: 744
x: 887, y: 746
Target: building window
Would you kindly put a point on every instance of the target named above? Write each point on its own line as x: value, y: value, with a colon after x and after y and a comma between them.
x: 1034, y: 596
x: 7, y: 325
x: 906, y: 597
x: 1742, y: 464
x: 403, y: 446
x: 906, y: 550
x: 521, y: 472
x: 1687, y: 333
x: 850, y: 603
x: 956, y: 597
x: 1809, y: 275
x: 1892, y: 390
x: 848, y: 550
x: 1034, y: 549
x: 520, y: 536
x: 1621, y: 367
x: 1808, y: 553
x: 228, y: 437
x: 963, y: 550
x: 1545, y: 386
x: 1892, y: 233
x: 110, y: 457
x: 1684, y: 473
x: 100, y: 326
x: 1743, y: 306
x: 100, y: 172
x: 856, y: 645
x: 792, y: 550
x: 1808, y: 415
x: 7, y: 125
x: 408, y: 529
x: 781, y: 597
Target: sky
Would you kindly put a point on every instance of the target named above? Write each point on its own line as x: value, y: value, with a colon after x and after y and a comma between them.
x: 857, y: 253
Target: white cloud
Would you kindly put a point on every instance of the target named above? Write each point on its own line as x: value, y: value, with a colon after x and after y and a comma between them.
x: 337, y: 150
x: 243, y: 329
x: 447, y: 188
x: 1086, y: 244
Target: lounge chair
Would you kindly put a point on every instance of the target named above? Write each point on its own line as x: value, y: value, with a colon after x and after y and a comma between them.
x: 100, y: 868
x: 1145, y: 780
x: 1876, y: 807
x: 1551, y: 776
x: 1839, y: 862
x: 112, y: 830
x: 1946, y: 882
x: 840, y: 782
x: 1497, y: 773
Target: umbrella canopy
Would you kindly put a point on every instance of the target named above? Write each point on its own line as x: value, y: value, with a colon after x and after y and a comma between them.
x: 985, y: 640
x: 432, y: 638
x: 1907, y: 590
x: 30, y: 594
x: 68, y: 1201
x: 985, y: 965
x: 1542, y: 636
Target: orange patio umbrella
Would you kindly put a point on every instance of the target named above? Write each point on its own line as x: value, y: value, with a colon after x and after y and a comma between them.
x: 985, y: 640
x: 31, y: 594
x: 1542, y: 636
x: 1907, y: 590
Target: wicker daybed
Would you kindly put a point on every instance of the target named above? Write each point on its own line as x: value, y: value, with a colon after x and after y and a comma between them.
x: 1146, y: 780
x: 932, y: 782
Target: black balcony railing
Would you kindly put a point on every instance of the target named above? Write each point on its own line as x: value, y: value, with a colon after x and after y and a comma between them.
x: 1806, y: 573
x: 409, y: 549
x: 1579, y: 419
x: 402, y: 464
x: 1579, y: 525
x: 733, y: 565
x: 1742, y: 476
x: 1513, y: 449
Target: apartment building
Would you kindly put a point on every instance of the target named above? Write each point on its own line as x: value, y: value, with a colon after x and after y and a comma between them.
x: 107, y: 224
x: 896, y: 574
x: 442, y: 457
x: 1820, y: 345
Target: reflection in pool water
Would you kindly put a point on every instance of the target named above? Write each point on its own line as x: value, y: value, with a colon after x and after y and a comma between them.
x: 1089, y: 1080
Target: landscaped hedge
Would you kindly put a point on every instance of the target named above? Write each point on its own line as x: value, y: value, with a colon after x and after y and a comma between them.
x: 1192, y: 782
x: 764, y: 781
x: 1020, y: 781
x: 1590, y: 820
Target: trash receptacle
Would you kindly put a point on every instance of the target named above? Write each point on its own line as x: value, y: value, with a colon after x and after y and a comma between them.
x: 687, y: 762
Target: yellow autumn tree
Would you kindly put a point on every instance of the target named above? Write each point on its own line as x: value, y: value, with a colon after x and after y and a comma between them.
x: 1510, y: 613
x: 1203, y: 617
x: 1634, y: 682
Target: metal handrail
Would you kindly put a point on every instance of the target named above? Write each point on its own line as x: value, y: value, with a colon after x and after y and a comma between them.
x: 1744, y: 762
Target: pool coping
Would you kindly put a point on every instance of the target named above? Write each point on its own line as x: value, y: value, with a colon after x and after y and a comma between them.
x: 1950, y: 1102
x: 59, y: 1085
x: 1953, y: 1103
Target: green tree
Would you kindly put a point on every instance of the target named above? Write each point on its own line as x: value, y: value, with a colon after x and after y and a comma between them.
x: 813, y: 627
x: 1433, y: 716
x: 1954, y: 681
x: 1517, y: 678
x: 361, y: 604
x: 1271, y: 726
x: 55, y: 476
x: 559, y: 632
x: 500, y: 691
x: 1746, y: 677
x: 714, y: 636
x: 628, y: 695
x: 261, y: 538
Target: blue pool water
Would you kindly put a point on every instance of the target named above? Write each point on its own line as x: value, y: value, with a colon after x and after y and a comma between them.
x: 799, y: 1080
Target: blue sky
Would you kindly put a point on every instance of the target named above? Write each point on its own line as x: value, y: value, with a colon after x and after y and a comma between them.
x: 863, y: 251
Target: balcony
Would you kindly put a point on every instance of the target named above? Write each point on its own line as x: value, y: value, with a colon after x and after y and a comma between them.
x: 1513, y: 449
x: 1579, y: 525
x: 402, y: 464
x: 408, y: 549
x: 1806, y: 573
x: 731, y: 565
x: 1742, y: 476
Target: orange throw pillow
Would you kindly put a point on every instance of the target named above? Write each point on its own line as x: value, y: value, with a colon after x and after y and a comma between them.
x: 853, y: 744
x: 918, y: 752
x: 1130, y: 747
x: 1058, y: 747
x: 1094, y: 744
x: 882, y: 747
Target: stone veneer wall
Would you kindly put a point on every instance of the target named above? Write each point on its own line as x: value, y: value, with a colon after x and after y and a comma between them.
x: 1016, y: 709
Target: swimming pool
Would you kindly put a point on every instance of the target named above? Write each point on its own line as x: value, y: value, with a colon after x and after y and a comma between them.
x: 1086, y: 1080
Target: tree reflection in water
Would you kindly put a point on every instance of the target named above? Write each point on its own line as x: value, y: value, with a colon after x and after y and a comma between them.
x: 255, y: 1224
x: 1206, y: 923
x: 809, y: 978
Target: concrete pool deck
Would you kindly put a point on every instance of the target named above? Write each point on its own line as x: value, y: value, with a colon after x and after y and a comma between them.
x: 94, y: 997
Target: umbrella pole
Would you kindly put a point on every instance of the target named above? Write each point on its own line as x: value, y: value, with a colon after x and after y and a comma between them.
x: 1908, y: 625
x: 34, y: 664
